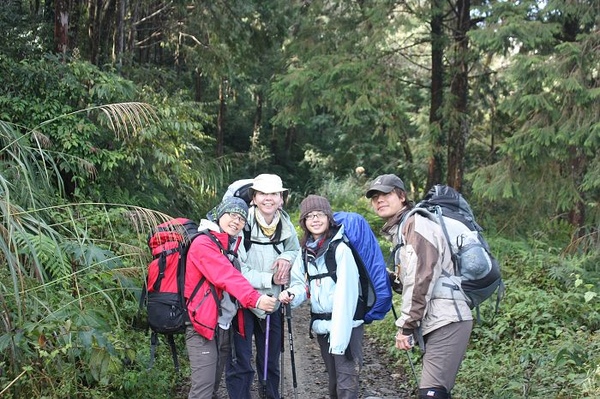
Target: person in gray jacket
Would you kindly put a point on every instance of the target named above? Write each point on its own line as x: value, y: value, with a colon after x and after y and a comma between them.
x: 333, y: 302
x: 434, y: 313
x: 270, y: 248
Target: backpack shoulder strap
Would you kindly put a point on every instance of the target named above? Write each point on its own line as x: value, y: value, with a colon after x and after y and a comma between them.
x: 212, y: 288
x: 248, y: 238
x: 367, y: 294
x: 212, y: 238
x: 422, y: 211
x: 401, y: 241
x: 330, y: 263
x: 453, y: 256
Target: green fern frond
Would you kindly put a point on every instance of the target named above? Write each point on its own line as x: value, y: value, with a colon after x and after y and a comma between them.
x: 44, y: 251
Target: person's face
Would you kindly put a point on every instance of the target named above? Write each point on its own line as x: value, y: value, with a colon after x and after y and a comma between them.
x: 232, y: 223
x: 317, y: 223
x: 387, y: 205
x: 268, y: 203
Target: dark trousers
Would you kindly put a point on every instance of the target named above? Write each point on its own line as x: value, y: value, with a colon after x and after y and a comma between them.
x: 240, y: 374
x: 343, y: 370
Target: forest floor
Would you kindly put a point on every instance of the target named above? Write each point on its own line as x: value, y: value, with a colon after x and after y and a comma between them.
x: 379, y: 377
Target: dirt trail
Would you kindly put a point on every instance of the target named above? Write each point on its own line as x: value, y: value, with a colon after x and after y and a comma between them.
x: 378, y: 378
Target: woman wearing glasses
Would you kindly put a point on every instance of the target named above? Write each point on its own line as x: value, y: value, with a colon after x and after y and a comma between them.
x: 333, y: 301
x: 211, y: 273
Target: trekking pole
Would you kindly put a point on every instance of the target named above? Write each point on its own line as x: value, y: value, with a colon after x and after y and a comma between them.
x: 282, y: 352
x: 266, y: 355
x: 288, y: 312
x: 412, y: 366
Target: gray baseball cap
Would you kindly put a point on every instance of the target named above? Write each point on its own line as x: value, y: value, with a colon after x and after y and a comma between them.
x: 385, y: 184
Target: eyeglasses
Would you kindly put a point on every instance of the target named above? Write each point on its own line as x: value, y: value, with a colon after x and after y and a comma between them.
x: 237, y: 217
x: 315, y: 215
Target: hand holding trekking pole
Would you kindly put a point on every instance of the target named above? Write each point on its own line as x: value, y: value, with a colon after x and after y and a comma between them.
x: 266, y: 303
x: 286, y: 297
x: 404, y: 342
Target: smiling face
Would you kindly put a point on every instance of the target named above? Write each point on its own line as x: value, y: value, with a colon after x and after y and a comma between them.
x: 232, y: 223
x: 317, y: 223
x: 268, y: 203
x: 387, y: 205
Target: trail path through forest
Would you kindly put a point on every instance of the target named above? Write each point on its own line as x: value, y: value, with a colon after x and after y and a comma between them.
x: 379, y: 378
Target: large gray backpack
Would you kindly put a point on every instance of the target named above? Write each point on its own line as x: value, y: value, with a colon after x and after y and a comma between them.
x: 473, y: 261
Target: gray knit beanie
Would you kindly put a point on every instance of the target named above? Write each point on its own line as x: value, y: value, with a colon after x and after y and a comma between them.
x: 229, y: 205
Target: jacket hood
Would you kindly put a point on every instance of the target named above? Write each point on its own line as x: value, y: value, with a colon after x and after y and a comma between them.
x: 206, y: 224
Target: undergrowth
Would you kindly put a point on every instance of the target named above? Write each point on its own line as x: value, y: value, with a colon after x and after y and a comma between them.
x: 544, y: 340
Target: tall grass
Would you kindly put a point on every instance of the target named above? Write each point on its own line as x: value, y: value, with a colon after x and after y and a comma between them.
x: 68, y: 291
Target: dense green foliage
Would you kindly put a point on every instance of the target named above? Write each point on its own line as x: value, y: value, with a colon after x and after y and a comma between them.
x: 543, y: 342
x: 154, y: 108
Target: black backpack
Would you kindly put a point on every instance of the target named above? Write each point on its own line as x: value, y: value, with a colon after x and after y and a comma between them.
x: 241, y: 189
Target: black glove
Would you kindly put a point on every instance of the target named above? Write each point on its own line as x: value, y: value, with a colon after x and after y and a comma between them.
x: 395, y: 282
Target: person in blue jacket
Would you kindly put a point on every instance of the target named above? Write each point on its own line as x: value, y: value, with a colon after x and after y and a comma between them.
x: 333, y: 303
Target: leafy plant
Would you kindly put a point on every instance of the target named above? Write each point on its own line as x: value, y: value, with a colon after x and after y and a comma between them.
x: 66, y: 294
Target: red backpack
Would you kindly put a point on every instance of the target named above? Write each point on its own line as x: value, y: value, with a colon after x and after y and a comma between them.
x: 163, y: 290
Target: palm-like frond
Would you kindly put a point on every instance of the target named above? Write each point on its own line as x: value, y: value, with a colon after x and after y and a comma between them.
x: 58, y: 274
x: 122, y: 118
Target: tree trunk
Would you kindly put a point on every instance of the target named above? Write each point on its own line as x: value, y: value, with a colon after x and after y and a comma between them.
x: 197, y: 85
x: 256, y: 127
x: 290, y: 138
x: 458, y: 126
x: 61, y: 26
x: 120, y: 42
x: 94, y: 29
x: 132, y: 29
x: 436, y: 130
x: 221, y: 117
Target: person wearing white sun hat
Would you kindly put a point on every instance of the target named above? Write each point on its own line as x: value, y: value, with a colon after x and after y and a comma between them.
x: 270, y: 248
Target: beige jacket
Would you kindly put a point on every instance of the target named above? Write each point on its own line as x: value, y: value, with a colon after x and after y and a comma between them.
x: 431, y: 296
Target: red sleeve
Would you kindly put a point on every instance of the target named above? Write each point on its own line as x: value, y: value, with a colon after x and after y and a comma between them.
x: 205, y: 257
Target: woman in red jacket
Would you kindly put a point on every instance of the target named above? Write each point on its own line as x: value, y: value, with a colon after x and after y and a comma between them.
x: 210, y: 271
